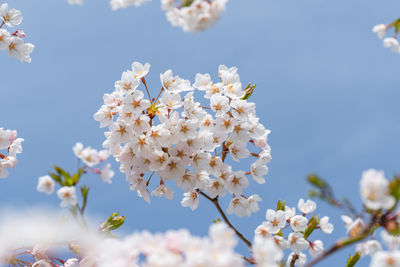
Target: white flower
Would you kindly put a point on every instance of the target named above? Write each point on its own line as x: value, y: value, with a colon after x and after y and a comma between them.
x: 369, y: 247
x: 163, y: 191
x: 253, y: 203
x: 300, y: 259
x: 4, y: 39
x: 374, y: 188
x: 106, y: 173
x: 258, y: 171
x: 139, y: 70
x: 75, y: 2
x: 316, y: 248
x: 354, y: 228
x: 11, y: 17
x: 20, y: 50
x: 71, y: 263
x: 298, y: 223
x: 67, y: 194
x: 15, y: 147
x: 262, y: 230
x: 390, y: 240
x: 174, y: 84
x: 380, y: 30
x: 392, y: 43
x: 117, y: 4
x: 266, y: 252
x: 89, y: 156
x: 219, y: 104
x: 297, y: 243
x: 3, y: 170
x: 325, y: 226
x: 306, y: 206
x: 198, y: 16
x: 238, y: 206
x: 202, y: 81
x: 41, y: 263
x: 386, y: 259
x: 236, y: 182
x: 77, y: 149
x: 275, y: 220
x: 46, y: 184
x: 191, y: 200
x: 128, y: 82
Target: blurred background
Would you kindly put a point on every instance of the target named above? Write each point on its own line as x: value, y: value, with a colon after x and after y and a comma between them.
x: 326, y: 88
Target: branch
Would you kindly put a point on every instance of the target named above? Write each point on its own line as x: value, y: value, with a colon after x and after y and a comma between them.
x: 344, y: 243
x: 216, y: 204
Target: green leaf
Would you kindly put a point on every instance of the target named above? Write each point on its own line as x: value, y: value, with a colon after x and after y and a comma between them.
x: 317, y: 181
x: 56, y: 178
x: 312, y: 224
x: 187, y: 3
x: 76, y: 176
x: 67, y: 177
x: 394, y: 187
x: 353, y: 259
x: 218, y: 220
x: 84, y: 191
x: 248, y: 91
x: 281, y: 205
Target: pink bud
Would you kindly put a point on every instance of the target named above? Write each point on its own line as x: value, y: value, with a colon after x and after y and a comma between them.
x: 96, y: 171
x: 19, y: 33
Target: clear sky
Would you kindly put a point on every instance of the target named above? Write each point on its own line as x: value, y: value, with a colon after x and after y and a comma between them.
x: 326, y: 88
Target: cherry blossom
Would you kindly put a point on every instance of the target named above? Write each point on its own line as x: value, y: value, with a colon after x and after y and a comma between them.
x: 176, y: 138
x: 13, y: 145
x: 13, y: 43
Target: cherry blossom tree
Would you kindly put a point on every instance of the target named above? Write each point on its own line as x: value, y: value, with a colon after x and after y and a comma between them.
x: 192, y: 134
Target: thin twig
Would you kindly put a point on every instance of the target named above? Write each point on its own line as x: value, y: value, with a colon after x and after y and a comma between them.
x: 148, y: 93
x: 216, y: 204
x: 161, y: 90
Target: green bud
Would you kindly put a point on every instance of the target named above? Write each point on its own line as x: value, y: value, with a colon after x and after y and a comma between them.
x: 113, y: 222
x: 353, y: 259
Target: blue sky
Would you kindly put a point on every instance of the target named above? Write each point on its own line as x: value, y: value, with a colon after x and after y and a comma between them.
x: 326, y: 88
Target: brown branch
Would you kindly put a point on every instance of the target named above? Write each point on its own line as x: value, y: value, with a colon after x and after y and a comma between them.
x: 346, y: 242
x: 216, y: 204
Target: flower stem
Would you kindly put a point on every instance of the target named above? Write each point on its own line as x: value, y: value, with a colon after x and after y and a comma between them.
x: 148, y: 93
x: 216, y: 204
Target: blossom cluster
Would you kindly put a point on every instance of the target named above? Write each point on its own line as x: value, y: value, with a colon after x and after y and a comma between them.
x: 389, y: 42
x: 67, y: 193
x: 13, y: 145
x: 43, y: 238
x: 174, y: 248
x: 13, y: 43
x: 194, y: 16
x: 183, y: 141
x: 190, y: 15
x: 297, y: 240
x: 115, y: 4
x: 376, y: 197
